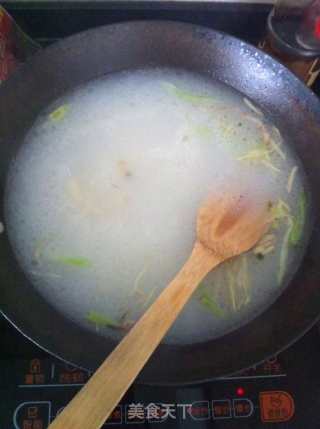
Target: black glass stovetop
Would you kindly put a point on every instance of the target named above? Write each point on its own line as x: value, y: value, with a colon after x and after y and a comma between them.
x: 283, y: 392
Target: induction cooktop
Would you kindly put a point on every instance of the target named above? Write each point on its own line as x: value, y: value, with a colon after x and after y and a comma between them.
x: 282, y: 392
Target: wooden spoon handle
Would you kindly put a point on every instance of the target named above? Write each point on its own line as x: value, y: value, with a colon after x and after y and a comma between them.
x: 96, y: 400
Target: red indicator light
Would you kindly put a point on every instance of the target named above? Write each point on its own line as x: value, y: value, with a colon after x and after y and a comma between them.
x: 240, y: 391
x: 317, y: 28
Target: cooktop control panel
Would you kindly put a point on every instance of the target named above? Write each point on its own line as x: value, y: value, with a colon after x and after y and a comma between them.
x: 34, y: 391
x: 44, y: 386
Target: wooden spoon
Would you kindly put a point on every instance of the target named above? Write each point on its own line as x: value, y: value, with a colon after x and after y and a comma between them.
x: 226, y: 227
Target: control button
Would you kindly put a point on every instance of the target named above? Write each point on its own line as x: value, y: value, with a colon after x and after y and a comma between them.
x: 32, y: 415
x: 272, y: 366
x: 35, y: 373
x: 276, y: 406
x: 242, y: 408
x: 199, y: 410
x: 70, y: 375
x: 115, y: 417
x: 35, y: 366
x: 221, y: 409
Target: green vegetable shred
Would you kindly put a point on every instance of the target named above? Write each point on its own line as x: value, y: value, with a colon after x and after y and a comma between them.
x: 211, y: 305
x: 189, y: 97
x: 299, y: 221
x: 58, y: 114
x: 101, y: 320
x: 284, y: 252
x: 75, y: 262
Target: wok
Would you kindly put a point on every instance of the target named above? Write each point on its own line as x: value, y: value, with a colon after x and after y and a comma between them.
x: 292, y: 107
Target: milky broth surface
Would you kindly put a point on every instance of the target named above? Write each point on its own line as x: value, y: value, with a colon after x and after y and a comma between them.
x: 101, y: 200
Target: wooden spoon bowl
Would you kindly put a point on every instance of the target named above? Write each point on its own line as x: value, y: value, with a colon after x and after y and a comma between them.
x: 227, y: 226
